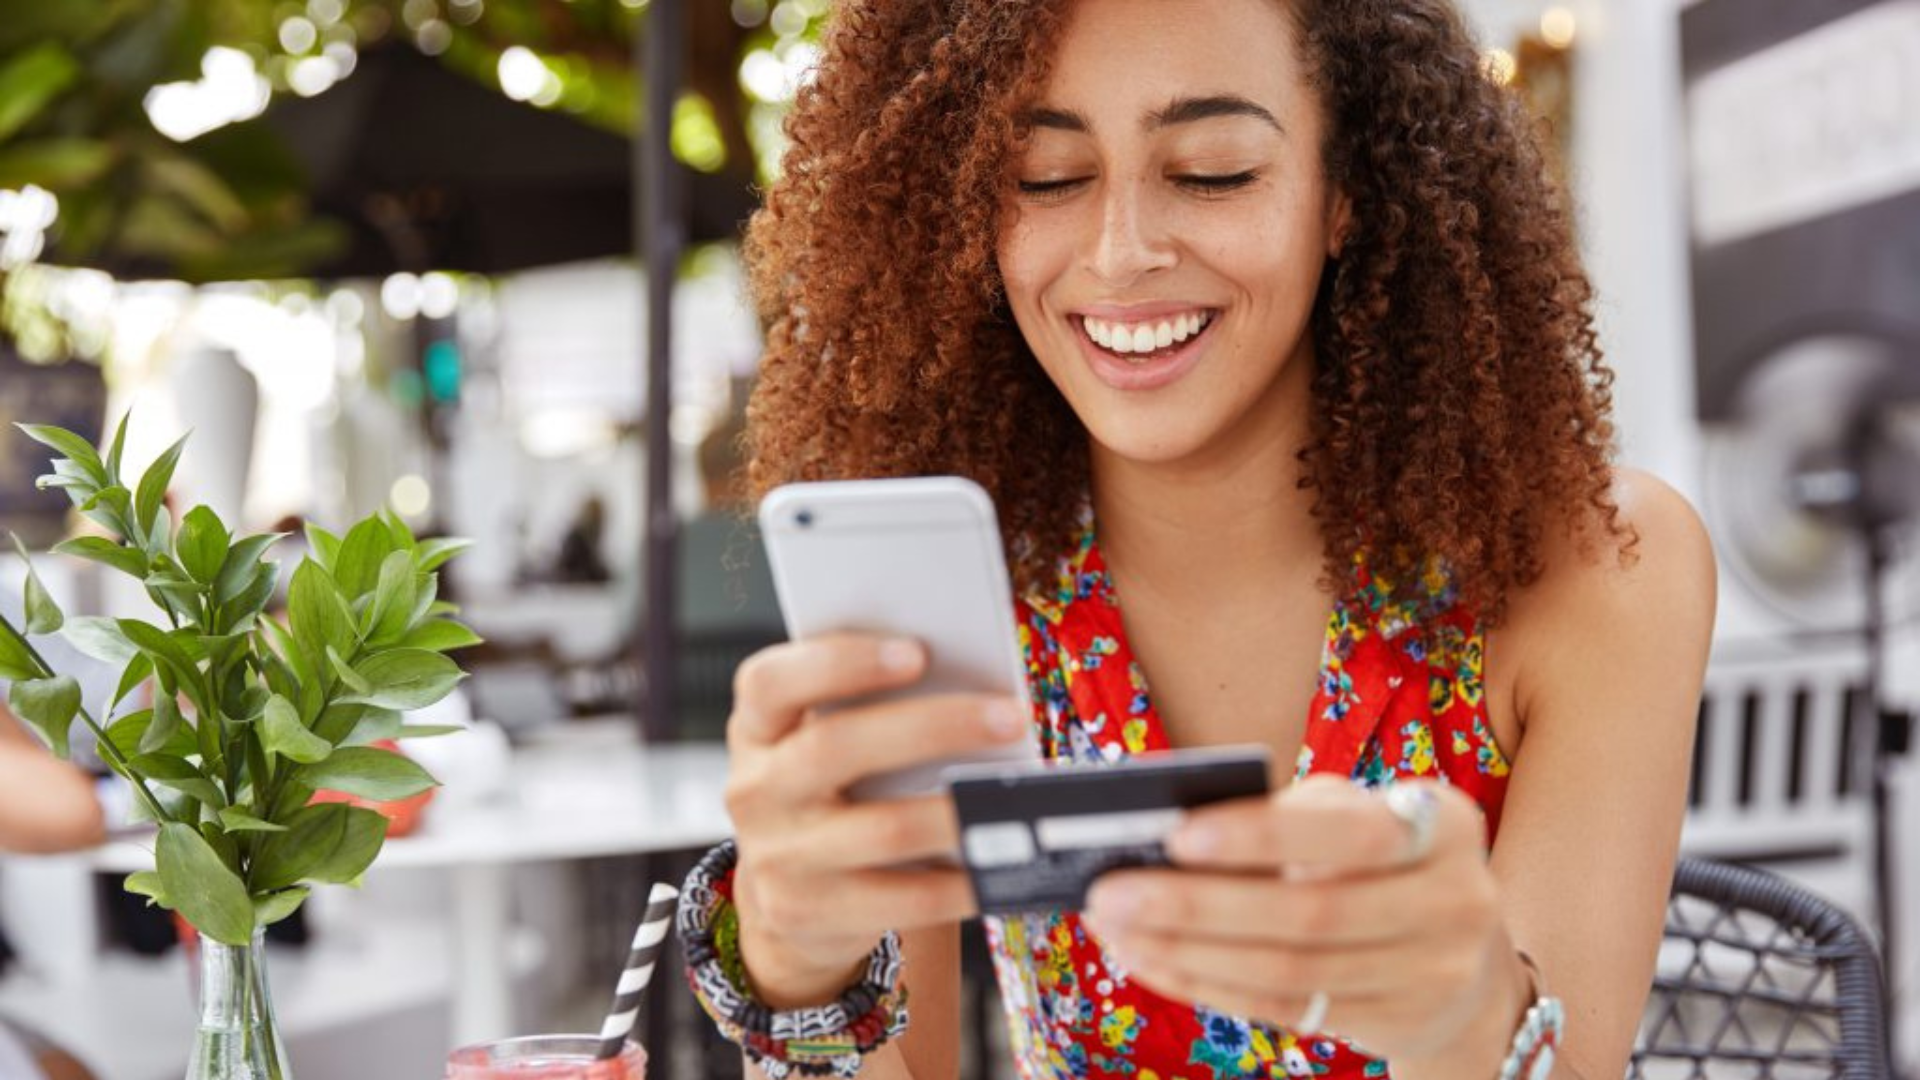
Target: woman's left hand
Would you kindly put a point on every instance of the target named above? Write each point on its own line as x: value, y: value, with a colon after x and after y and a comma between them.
x: 1372, y: 918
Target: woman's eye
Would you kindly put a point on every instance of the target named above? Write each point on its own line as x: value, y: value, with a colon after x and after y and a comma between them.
x: 1207, y: 184
x: 1043, y: 189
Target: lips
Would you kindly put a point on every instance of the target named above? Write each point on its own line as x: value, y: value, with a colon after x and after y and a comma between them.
x: 1140, y: 352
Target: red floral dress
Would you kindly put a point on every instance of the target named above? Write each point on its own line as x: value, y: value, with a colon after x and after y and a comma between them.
x: 1399, y: 695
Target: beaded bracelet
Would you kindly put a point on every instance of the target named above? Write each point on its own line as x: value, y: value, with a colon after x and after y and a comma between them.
x: 823, y: 1040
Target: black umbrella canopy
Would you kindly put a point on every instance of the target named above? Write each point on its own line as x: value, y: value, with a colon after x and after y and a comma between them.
x: 430, y: 170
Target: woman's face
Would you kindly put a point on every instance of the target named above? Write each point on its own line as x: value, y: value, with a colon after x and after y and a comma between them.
x: 1164, y: 247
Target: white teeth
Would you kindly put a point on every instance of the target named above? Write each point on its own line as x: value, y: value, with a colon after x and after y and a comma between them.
x: 1144, y: 337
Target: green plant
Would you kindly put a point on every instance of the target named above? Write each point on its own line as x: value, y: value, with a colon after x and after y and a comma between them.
x: 250, y: 714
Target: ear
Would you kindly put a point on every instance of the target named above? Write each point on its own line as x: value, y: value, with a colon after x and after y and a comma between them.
x: 1339, y: 221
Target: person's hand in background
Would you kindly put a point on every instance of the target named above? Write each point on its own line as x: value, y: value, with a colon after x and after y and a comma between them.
x: 46, y: 805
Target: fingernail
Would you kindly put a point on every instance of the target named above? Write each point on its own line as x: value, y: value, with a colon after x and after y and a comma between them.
x: 900, y: 654
x: 1007, y: 719
x: 1194, y: 841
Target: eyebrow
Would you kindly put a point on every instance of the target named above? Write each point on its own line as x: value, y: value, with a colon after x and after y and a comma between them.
x: 1185, y: 110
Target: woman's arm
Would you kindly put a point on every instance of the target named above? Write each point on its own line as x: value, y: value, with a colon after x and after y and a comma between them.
x: 930, y: 1050
x: 1607, y: 693
x: 46, y: 805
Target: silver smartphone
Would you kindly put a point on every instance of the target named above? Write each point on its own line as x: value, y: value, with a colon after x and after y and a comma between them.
x: 919, y: 558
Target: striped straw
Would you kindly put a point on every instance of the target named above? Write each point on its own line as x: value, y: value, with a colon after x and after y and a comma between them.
x: 647, y: 943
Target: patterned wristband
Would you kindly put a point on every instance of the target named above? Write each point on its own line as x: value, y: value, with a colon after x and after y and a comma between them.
x: 824, y: 1040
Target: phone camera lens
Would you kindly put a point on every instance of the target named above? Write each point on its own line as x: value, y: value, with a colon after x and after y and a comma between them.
x: 803, y: 518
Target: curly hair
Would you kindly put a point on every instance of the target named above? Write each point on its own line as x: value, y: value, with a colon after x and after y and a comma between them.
x: 1460, y: 399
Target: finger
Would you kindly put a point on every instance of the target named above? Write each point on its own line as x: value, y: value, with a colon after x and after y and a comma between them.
x: 773, y: 688
x: 1263, y: 970
x: 1279, y: 1007
x: 879, y: 834
x: 830, y: 752
x: 1328, y: 825
x: 1367, y: 910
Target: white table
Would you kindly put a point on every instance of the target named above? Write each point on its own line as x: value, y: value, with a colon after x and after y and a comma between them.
x: 568, y: 798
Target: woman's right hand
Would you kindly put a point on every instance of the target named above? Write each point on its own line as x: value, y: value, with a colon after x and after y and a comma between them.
x: 819, y: 881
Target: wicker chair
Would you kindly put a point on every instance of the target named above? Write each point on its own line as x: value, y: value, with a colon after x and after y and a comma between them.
x: 1760, y: 978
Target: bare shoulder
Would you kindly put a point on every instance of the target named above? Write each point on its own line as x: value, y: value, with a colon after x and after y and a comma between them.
x: 1598, y: 600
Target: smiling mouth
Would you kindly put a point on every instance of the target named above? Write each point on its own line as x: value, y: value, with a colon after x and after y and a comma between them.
x: 1148, y: 339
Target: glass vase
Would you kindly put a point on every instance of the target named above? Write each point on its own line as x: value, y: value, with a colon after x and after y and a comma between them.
x: 238, y: 1038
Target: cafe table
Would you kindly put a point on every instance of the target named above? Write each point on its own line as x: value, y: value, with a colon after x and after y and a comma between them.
x: 586, y: 793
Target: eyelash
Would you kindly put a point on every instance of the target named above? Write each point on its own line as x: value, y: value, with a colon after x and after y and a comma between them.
x: 1202, y: 185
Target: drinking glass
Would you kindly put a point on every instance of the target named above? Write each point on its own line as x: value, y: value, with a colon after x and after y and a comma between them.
x: 545, y: 1057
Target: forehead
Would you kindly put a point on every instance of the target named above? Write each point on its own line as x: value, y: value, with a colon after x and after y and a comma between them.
x: 1133, y: 56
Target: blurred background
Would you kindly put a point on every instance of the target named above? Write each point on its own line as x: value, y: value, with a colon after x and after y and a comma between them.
x: 476, y: 260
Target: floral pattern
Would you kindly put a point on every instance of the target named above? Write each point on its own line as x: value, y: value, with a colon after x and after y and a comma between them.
x: 1400, y: 694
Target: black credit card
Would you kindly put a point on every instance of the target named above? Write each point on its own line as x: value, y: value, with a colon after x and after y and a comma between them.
x: 1034, y: 837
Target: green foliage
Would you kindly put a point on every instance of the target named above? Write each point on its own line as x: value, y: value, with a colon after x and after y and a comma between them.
x: 251, y: 714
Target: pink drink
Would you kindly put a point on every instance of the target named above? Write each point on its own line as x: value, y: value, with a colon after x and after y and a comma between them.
x: 545, y: 1057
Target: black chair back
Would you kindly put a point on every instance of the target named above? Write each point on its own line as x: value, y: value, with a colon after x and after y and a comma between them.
x: 1760, y: 978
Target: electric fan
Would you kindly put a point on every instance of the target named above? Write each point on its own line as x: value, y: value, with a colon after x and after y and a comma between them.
x: 1813, y: 492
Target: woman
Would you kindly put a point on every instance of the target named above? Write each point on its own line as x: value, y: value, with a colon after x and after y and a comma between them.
x: 46, y: 806
x: 1264, y: 316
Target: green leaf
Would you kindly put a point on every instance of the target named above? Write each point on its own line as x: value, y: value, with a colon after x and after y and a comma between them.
x: 112, y: 508
x: 78, y: 450
x: 166, y: 721
x: 357, y: 569
x: 360, y: 842
x: 43, y: 615
x: 393, y: 599
x: 119, y: 446
x: 138, y: 670
x: 49, y: 705
x: 355, y: 681
x: 180, y: 775
x: 304, y: 679
x: 178, y: 593
x: 202, y: 544
x: 55, y: 163
x: 205, y: 891
x: 147, y: 883
x: 149, y: 499
x: 159, y: 532
x: 237, y: 572
x: 99, y: 638
x: 282, y: 733
x: 339, y: 722
x: 373, y: 726
x: 427, y: 731
x: 408, y: 678
x: 125, y: 734
x: 397, y: 529
x: 273, y: 907
x: 324, y: 545
x: 164, y: 649
x: 369, y: 772
x: 30, y: 80
x: 315, y: 613
x: 253, y: 598
x: 441, y: 635
x: 16, y: 659
x: 234, y: 819
x: 437, y: 551
x: 199, y: 187
x: 314, y: 833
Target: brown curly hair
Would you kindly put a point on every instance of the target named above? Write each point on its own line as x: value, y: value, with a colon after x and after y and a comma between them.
x: 1460, y: 401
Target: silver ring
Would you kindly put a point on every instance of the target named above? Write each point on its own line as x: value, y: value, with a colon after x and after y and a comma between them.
x: 1418, y: 808
x: 1315, y: 1017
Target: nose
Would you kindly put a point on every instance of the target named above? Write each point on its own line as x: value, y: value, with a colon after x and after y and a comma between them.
x: 1131, y: 239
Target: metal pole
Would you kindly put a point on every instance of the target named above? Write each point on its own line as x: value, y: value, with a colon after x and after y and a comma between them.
x: 659, y: 221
